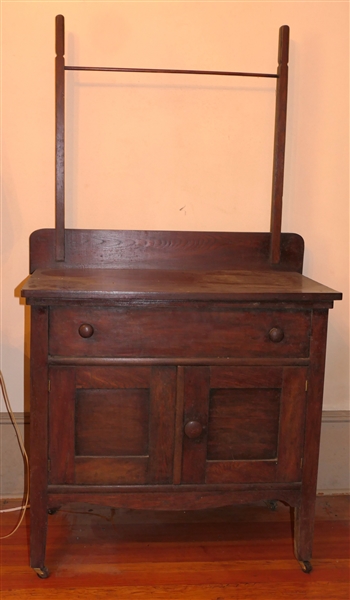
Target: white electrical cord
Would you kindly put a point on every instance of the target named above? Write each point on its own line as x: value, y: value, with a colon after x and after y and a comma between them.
x: 3, y: 510
x: 25, y: 457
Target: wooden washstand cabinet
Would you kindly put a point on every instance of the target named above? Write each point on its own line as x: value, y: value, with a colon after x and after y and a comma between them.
x: 174, y: 370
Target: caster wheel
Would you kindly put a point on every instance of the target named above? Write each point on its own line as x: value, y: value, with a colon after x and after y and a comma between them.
x: 306, y: 566
x: 42, y: 573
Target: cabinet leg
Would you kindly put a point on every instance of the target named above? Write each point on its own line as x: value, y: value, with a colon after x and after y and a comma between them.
x: 304, y: 518
x: 38, y: 532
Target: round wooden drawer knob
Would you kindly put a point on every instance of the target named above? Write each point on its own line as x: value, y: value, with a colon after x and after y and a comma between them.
x: 86, y: 330
x: 276, y: 334
x: 193, y: 429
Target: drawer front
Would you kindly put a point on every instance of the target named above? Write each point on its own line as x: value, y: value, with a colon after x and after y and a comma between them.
x: 178, y: 332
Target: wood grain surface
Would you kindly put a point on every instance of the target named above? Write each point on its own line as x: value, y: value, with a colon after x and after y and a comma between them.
x: 243, y: 553
x: 164, y: 250
x: 164, y: 284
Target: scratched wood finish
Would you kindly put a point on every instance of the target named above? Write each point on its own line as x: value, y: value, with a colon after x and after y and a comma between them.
x: 164, y: 249
x: 141, y: 554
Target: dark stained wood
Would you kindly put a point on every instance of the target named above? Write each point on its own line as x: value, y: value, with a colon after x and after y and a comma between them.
x: 147, y: 331
x: 62, y: 425
x: 176, y: 499
x: 102, y: 362
x: 171, y: 71
x: 243, y: 424
x: 179, y: 419
x: 279, y: 145
x: 162, y: 424
x: 120, y: 421
x: 192, y: 250
x: 256, y: 424
x: 111, y: 378
x: 304, y: 514
x: 60, y: 137
x: 292, y: 424
x: 269, y: 487
x: 246, y: 377
x: 111, y: 422
x: 102, y: 470
x: 38, y: 434
x: 229, y: 471
x: 184, y: 285
x: 196, y: 407
x: 186, y: 369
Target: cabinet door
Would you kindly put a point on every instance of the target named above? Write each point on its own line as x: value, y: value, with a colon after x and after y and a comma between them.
x: 111, y: 425
x: 243, y: 424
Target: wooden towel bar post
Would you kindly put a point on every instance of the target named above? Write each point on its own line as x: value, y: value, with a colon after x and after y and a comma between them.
x: 279, y: 145
x: 60, y: 183
x: 279, y: 140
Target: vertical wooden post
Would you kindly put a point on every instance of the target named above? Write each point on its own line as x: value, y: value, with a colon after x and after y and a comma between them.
x: 60, y: 237
x: 279, y: 145
x: 39, y: 402
x: 305, y: 512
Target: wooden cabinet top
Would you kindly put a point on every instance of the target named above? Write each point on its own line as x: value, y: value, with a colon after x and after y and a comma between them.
x: 161, y: 284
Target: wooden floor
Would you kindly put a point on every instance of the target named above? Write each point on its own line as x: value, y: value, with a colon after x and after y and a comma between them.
x: 242, y: 553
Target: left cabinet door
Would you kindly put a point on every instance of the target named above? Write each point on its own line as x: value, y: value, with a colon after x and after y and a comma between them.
x: 111, y: 425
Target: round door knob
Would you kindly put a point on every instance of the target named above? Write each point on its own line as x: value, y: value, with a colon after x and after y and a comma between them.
x: 193, y: 429
x: 276, y: 334
x: 86, y: 330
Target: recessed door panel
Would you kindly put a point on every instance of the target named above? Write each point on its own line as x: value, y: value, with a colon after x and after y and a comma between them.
x: 112, y: 425
x: 111, y: 422
x: 251, y: 424
x: 243, y: 424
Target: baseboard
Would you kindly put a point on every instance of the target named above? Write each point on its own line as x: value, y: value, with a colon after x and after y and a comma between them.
x: 333, y: 492
x: 22, y: 418
x: 12, y: 475
x: 334, y: 466
x: 336, y: 416
x: 334, y: 463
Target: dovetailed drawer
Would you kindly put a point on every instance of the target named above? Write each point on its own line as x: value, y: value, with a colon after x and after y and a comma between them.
x: 178, y: 332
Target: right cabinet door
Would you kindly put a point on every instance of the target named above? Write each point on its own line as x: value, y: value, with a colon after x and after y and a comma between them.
x: 243, y: 424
